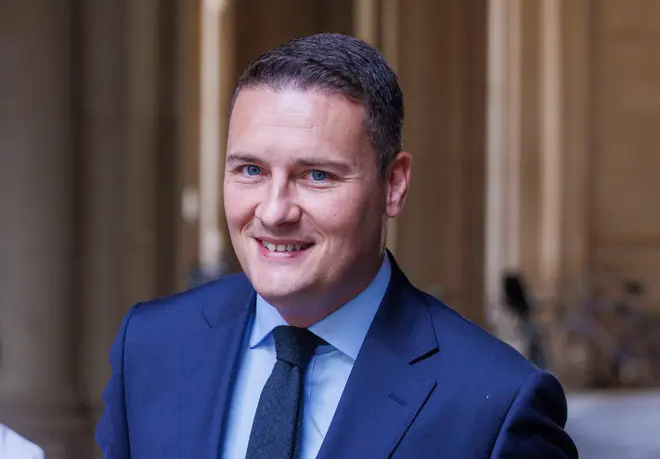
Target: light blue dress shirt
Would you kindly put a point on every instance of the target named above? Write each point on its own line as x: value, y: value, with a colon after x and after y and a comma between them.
x: 325, y: 379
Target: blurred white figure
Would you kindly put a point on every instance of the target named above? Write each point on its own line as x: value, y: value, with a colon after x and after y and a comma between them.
x: 13, y: 446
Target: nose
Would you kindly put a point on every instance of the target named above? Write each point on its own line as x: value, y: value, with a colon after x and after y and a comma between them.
x: 278, y: 206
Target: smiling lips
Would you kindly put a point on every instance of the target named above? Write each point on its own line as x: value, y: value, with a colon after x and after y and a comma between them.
x: 291, y: 247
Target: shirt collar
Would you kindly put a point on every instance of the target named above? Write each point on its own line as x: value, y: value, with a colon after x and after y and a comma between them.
x: 345, y: 329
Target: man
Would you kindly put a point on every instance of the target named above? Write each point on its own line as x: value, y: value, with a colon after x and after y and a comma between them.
x: 322, y: 348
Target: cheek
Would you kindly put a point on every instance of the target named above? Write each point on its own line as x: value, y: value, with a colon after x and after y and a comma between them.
x: 343, y: 215
x: 239, y: 207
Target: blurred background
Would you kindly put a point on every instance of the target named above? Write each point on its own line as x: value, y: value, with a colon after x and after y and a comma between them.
x: 534, y: 125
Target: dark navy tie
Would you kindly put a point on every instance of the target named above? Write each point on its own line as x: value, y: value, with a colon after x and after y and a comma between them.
x: 276, y: 429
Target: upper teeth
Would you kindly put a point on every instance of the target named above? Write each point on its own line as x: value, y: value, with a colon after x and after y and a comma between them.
x: 281, y: 247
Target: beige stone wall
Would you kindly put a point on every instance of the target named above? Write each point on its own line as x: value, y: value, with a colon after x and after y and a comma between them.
x: 89, y: 146
x: 583, y: 97
x: 535, y: 147
x: 625, y: 150
x: 441, y: 65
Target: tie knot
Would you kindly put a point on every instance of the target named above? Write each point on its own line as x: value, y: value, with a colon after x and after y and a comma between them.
x: 295, y: 345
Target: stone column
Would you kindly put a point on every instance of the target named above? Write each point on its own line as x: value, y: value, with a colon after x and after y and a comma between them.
x: 442, y: 68
x: 537, y: 144
x: 140, y: 254
x: 578, y: 106
x: 365, y: 21
x: 188, y: 56
x: 36, y: 222
x: 103, y: 142
x: 216, y: 87
x: 514, y: 144
x: 551, y: 151
x: 135, y: 119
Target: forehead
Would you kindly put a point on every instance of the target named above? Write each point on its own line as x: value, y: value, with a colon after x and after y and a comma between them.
x: 292, y: 120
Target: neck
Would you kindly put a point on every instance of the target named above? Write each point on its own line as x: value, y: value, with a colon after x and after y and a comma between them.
x: 297, y: 311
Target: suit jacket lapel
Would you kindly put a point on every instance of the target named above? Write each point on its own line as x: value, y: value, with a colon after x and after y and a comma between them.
x: 385, y: 392
x: 208, y: 362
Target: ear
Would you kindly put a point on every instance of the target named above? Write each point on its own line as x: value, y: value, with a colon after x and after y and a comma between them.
x: 398, y: 182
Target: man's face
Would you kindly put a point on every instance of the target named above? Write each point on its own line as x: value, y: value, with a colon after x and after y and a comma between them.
x: 303, y: 199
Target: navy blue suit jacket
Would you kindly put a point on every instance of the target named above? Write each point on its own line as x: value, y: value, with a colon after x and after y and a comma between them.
x: 427, y: 383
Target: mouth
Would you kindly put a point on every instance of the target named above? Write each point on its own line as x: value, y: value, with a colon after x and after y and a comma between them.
x: 290, y: 247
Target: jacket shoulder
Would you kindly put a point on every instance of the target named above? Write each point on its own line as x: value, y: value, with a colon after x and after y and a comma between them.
x: 174, y: 313
x: 474, y: 350
x: 218, y: 290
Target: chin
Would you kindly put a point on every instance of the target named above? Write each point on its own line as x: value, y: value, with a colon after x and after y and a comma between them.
x: 273, y: 286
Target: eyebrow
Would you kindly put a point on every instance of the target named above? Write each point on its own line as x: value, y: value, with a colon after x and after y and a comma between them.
x: 337, y: 166
x: 242, y: 158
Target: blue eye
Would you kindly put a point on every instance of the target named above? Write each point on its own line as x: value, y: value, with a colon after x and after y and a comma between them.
x: 252, y: 170
x: 319, y: 176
